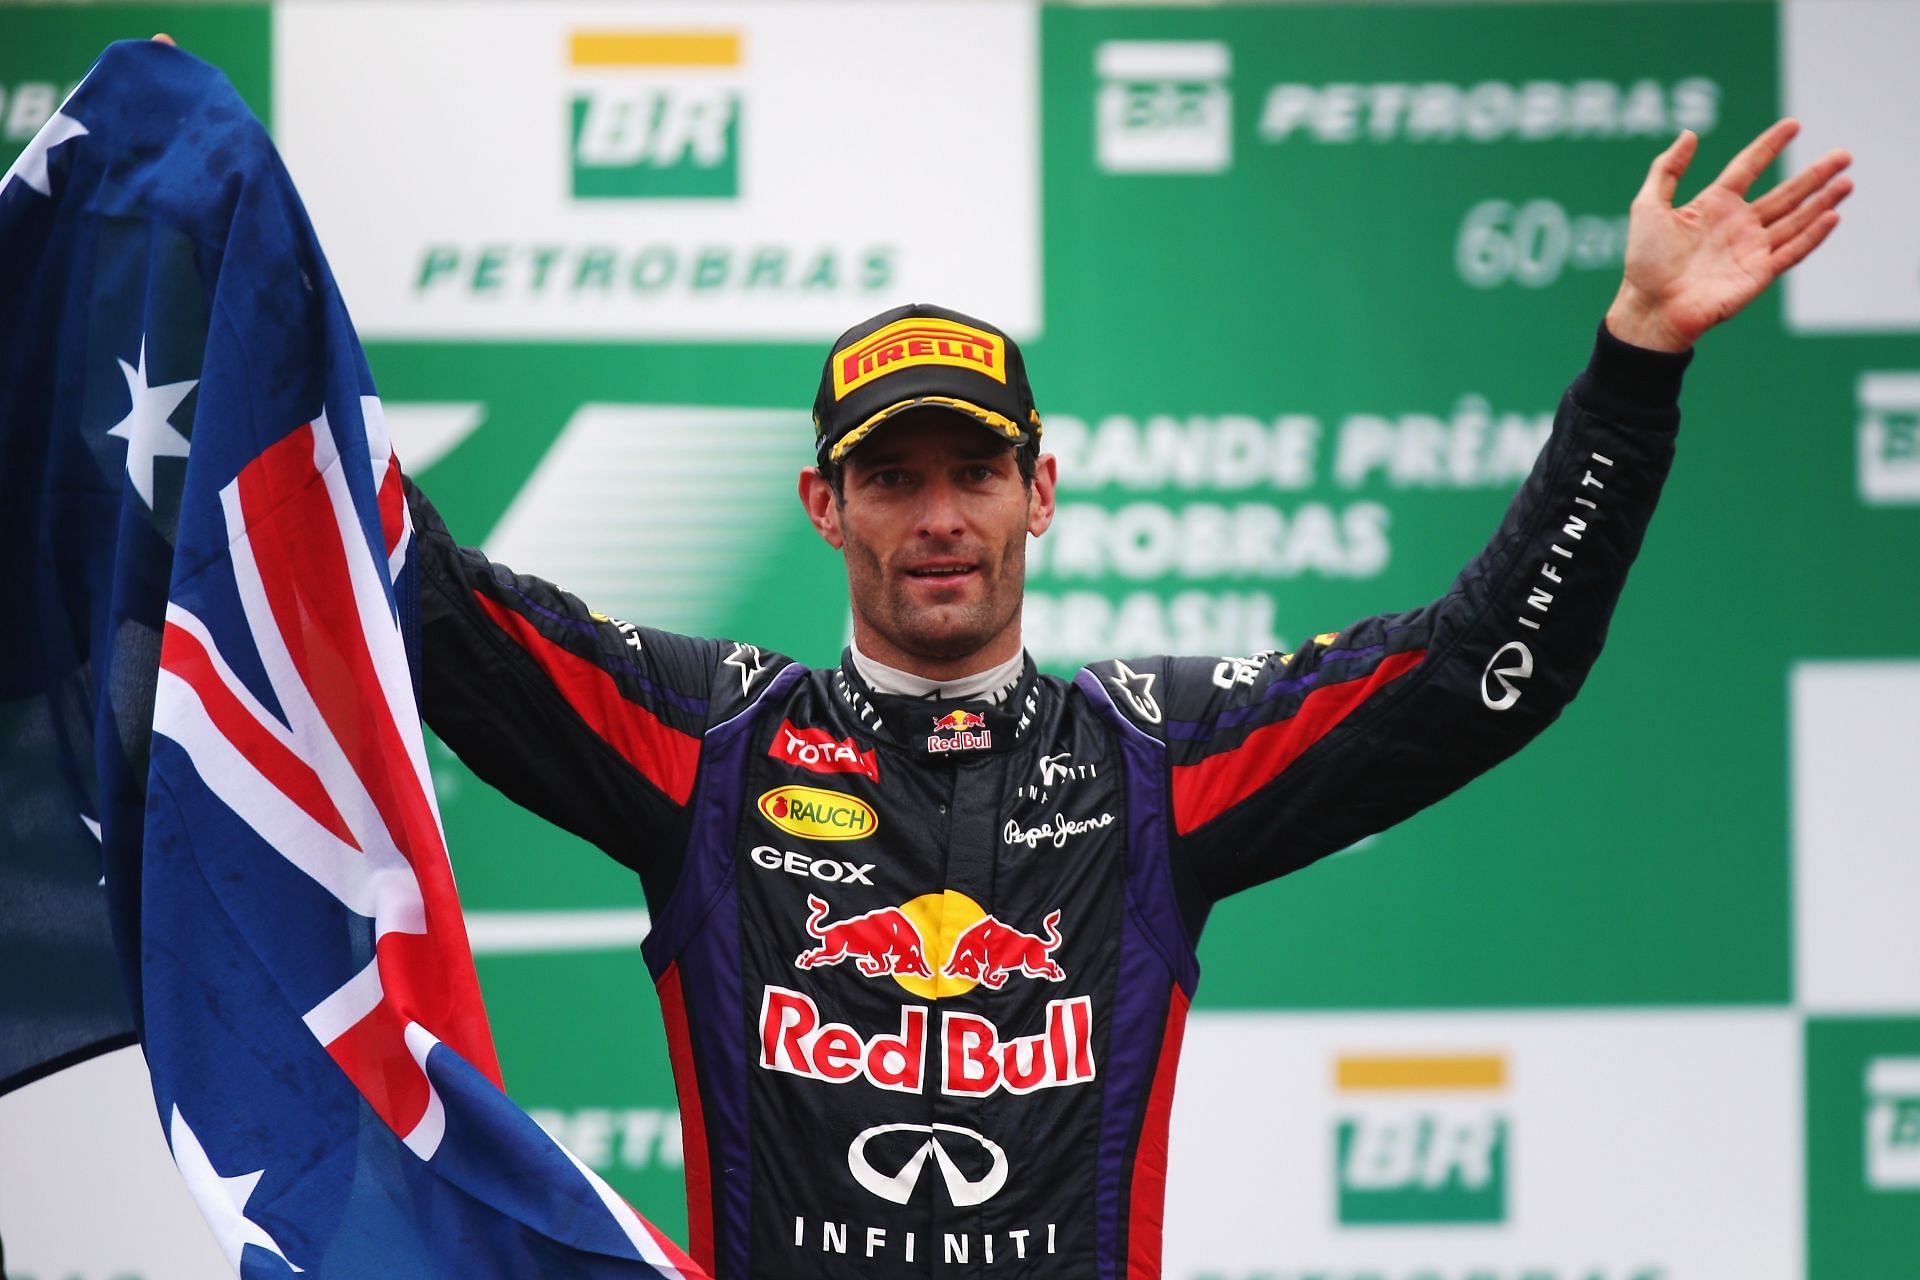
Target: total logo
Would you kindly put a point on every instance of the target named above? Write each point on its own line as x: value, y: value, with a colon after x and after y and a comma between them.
x: 656, y: 115
x: 818, y: 751
x: 1421, y: 1139
x: 960, y: 731
x: 817, y: 814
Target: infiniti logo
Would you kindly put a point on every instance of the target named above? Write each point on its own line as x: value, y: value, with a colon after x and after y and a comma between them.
x: 898, y: 1187
x: 1521, y: 667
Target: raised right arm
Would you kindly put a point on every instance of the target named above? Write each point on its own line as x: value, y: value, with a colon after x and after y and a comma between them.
x: 590, y: 722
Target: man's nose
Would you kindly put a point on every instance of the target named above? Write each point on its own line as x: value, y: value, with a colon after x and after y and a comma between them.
x: 940, y: 511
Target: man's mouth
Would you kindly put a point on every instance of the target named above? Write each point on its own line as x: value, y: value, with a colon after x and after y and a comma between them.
x: 941, y: 572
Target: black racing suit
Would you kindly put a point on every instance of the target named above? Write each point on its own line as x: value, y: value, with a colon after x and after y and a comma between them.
x: 925, y: 965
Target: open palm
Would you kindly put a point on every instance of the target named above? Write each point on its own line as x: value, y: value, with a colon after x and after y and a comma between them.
x: 1692, y: 267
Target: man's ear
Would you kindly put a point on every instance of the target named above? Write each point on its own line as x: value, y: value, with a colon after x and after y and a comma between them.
x: 1046, y: 473
x: 816, y: 495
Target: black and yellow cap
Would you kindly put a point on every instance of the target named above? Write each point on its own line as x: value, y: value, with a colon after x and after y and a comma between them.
x: 921, y: 356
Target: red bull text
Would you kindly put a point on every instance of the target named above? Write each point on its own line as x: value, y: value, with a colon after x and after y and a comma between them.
x: 960, y: 731
x: 974, y: 1059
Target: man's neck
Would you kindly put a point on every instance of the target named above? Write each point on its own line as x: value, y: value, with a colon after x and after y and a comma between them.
x: 991, y: 685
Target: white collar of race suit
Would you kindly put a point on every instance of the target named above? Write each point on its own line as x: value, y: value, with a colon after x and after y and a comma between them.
x: 992, y: 685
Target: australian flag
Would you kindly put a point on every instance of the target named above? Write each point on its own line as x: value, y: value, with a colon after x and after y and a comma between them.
x: 209, y: 743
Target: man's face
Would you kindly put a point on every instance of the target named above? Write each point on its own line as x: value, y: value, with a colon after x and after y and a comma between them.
x: 933, y: 527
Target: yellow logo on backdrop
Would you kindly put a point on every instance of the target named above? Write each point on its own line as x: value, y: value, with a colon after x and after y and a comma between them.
x: 906, y: 343
x: 818, y: 814
x: 654, y: 49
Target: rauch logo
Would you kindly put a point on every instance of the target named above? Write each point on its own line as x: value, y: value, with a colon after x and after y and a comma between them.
x: 817, y: 814
x: 661, y: 119
x: 1421, y: 1139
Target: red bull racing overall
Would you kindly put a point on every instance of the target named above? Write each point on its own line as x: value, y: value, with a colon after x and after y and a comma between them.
x: 924, y: 968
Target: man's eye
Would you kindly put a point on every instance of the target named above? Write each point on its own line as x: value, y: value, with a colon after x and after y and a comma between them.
x: 890, y: 479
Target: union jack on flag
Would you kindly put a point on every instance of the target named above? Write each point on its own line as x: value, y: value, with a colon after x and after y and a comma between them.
x: 209, y: 718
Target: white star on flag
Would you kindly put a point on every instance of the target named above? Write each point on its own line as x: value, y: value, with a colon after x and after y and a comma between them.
x: 145, y: 428
x: 222, y: 1200
x: 31, y: 167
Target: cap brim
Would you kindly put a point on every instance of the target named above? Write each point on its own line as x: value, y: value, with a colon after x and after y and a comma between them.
x: 998, y: 423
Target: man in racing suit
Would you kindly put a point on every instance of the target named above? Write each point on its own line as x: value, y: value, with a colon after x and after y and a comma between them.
x: 924, y: 922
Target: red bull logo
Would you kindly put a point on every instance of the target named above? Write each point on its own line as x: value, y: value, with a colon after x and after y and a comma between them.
x: 935, y: 945
x: 990, y: 949
x: 960, y: 730
x: 878, y: 942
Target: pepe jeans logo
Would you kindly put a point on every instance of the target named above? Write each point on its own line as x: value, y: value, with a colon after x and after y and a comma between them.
x: 661, y: 119
x: 1055, y: 832
x: 817, y: 814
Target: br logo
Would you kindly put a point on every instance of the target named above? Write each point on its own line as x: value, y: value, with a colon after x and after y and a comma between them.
x: 1889, y: 438
x: 1893, y: 1124
x: 655, y: 115
x: 1415, y: 1146
x: 1164, y: 106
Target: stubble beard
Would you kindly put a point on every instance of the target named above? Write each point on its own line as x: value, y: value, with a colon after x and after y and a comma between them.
x: 943, y: 632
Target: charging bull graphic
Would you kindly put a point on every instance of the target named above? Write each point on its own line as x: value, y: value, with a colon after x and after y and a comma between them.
x: 990, y: 949
x: 879, y: 942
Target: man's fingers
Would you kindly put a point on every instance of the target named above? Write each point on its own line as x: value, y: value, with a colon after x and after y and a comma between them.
x: 1745, y: 169
x: 1785, y: 229
x: 1664, y: 174
x: 1790, y: 253
x: 161, y: 37
x: 1786, y: 197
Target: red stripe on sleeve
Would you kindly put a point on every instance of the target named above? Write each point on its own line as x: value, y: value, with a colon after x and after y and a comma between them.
x: 664, y: 756
x: 1148, y: 1197
x: 1203, y: 791
x: 693, y: 1130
